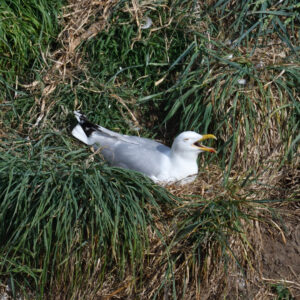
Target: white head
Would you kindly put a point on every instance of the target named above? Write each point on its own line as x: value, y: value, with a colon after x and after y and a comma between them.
x: 189, y: 143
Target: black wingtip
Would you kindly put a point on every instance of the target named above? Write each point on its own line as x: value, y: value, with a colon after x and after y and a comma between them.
x: 81, y: 118
x: 87, y: 126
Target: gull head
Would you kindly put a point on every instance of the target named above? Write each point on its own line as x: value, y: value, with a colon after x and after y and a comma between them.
x: 190, y: 143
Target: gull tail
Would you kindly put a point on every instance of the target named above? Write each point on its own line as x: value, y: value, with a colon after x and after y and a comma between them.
x: 84, y: 129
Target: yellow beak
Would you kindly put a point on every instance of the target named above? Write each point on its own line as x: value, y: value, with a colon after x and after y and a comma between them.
x: 204, y: 148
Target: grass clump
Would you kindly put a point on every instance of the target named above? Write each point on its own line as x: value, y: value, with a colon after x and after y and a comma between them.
x: 73, y: 227
x: 56, y: 206
x: 27, y: 29
x: 254, y: 22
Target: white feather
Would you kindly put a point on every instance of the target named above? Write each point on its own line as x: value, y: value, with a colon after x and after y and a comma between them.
x: 80, y: 135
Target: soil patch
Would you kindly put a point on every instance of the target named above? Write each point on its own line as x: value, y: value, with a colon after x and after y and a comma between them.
x: 281, y: 252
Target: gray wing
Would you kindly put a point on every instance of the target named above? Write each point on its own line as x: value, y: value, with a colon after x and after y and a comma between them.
x: 135, y: 153
x: 131, y: 152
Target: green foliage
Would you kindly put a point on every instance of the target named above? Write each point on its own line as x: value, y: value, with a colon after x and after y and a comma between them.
x: 27, y: 28
x: 57, y: 203
x: 128, y: 64
x: 251, y: 20
x: 211, y: 221
x: 282, y: 292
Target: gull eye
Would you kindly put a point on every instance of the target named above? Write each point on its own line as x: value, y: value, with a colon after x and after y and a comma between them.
x: 186, y: 139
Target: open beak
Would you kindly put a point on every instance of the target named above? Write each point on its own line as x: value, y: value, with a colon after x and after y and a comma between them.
x: 204, y: 148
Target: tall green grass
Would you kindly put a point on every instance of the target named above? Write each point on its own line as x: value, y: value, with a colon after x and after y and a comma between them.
x: 27, y: 28
x: 57, y: 203
x: 256, y: 23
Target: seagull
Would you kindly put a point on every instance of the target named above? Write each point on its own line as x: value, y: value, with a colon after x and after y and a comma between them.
x: 162, y: 164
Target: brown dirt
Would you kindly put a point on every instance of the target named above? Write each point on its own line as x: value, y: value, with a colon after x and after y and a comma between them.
x: 281, y: 253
